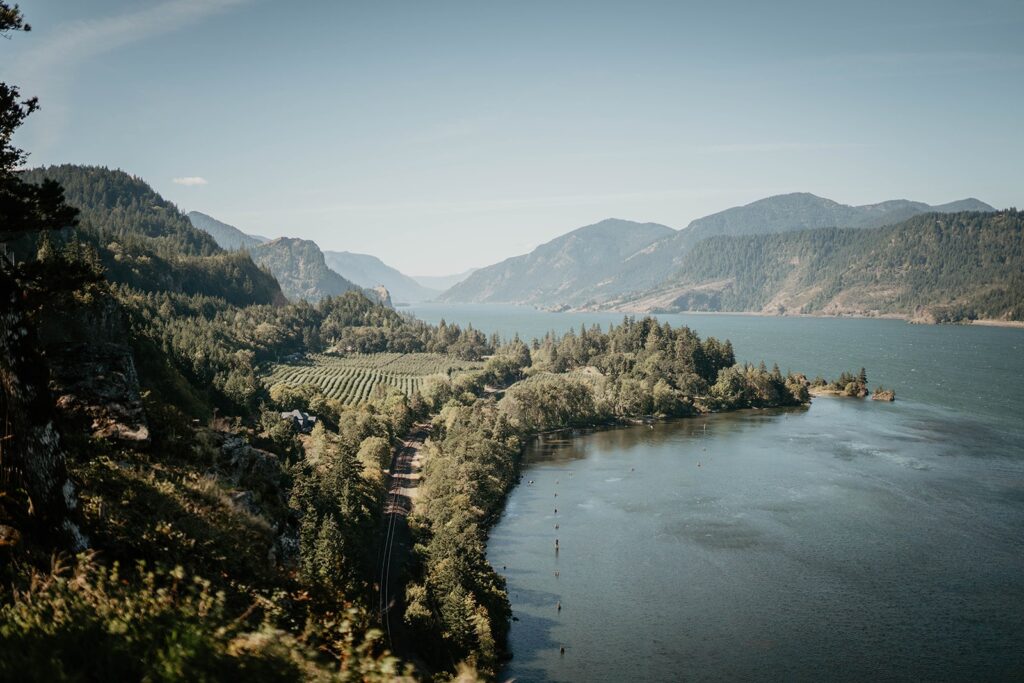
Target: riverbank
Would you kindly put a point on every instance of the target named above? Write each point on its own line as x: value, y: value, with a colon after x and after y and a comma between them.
x: 909, y: 319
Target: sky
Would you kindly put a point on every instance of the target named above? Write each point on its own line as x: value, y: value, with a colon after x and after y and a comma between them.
x: 443, y: 135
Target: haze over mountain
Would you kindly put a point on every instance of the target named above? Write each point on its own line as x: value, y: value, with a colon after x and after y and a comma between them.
x: 442, y: 282
x: 369, y: 271
x: 227, y: 236
x: 620, y: 265
x: 561, y: 270
x: 305, y: 272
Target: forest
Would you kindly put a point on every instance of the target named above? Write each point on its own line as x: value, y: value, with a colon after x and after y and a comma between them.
x: 937, y: 267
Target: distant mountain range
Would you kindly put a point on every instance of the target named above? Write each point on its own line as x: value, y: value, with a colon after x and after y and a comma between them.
x: 307, y: 273
x: 934, y: 267
x: 793, y: 253
x: 370, y: 271
x: 442, y: 282
x: 227, y: 236
x: 616, y: 261
x: 564, y: 270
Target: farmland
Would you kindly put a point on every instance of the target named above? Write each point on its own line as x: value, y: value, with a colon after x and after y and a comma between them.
x: 352, y: 378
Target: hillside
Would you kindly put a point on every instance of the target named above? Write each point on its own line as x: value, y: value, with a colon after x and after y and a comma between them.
x: 552, y: 276
x: 562, y: 270
x: 143, y: 241
x: 227, y: 236
x: 136, y: 427
x: 370, y: 271
x: 934, y: 266
x: 300, y: 267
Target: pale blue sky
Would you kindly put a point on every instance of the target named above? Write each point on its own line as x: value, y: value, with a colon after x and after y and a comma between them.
x: 443, y: 135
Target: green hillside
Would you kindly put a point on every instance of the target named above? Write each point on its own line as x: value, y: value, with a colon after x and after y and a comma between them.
x: 143, y: 241
x: 936, y: 266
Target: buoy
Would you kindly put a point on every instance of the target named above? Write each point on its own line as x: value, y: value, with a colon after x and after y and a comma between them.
x: 559, y: 605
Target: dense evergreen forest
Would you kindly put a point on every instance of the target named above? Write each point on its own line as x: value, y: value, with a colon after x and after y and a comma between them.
x: 939, y: 267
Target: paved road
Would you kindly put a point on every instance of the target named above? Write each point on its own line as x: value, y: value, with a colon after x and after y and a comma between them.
x: 397, y: 541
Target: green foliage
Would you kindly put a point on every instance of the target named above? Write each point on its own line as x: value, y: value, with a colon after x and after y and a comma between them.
x: 470, y: 465
x: 946, y: 267
x: 847, y: 384
x: 93, y: 623
x: 144, y: 242
x: 747, y: 386
x: 338, y: 493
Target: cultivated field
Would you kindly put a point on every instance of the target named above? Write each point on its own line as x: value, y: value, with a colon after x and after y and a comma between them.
x: 353, y: 378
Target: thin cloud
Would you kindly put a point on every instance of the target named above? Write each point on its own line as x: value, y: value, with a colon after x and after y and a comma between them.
x: 49, y: 65
x: 190, y: 181
x: 77, y: 40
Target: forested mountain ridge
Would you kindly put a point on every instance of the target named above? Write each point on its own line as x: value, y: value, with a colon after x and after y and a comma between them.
x: 296, y: 265
x: 805, y: 211
x: 143, y: 241
x: 561, y: 270
x: 641, y: 268
x: 935, y: 267
x: 369, y: 271
x: 227, y: 236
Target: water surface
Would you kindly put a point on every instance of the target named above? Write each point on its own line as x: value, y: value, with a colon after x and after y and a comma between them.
x: 853, y: 540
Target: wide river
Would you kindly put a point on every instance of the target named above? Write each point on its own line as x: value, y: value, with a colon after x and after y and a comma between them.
x: 853, y: 540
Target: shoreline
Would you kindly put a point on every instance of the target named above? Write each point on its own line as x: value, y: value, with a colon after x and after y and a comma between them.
x: 911, y: 320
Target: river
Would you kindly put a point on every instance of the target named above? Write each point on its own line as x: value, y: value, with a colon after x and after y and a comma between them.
x: 851, y: 540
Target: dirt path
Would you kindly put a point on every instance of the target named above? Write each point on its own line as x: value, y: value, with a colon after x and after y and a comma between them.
x: 397, y: 541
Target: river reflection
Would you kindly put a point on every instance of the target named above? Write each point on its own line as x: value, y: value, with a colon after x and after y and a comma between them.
x: 851, y: 540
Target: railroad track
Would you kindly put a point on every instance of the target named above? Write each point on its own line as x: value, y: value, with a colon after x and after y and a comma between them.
x: 396, y: 531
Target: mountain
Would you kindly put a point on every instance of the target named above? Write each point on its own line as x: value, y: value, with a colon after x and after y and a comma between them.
x: 442, y: 282
x: 143, y: 241
x: 561, y: 270
x: 300, y: 267
x: 227, y: 236
x: 634, y: 268
x: 370, y: 271
x: 935, y: 266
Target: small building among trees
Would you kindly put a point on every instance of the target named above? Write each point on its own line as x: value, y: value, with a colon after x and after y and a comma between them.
x: 303, y: 422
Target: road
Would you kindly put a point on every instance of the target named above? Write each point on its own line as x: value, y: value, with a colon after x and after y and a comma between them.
x: 397, y: 541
